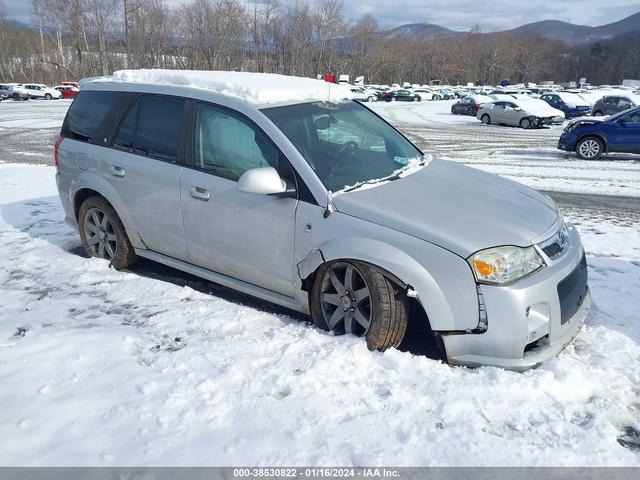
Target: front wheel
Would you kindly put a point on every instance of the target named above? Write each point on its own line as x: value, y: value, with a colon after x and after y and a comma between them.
x: 589, y: 148
x: 486, y: 119
x: 597, y: 113
x: 354, y: 297
x: 103, y: 234
x: 525, y: 123
x: 370, y: 99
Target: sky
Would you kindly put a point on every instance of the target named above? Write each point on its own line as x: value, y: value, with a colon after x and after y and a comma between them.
x: 454, y: 14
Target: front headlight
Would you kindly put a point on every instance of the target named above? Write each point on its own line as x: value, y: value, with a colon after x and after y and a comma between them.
x: 502, y: 265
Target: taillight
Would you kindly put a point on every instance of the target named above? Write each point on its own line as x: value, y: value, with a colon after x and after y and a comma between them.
x: 56, y: 147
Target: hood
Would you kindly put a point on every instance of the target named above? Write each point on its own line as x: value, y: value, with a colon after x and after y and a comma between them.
x: 585, y: 121
x: 456, y: 207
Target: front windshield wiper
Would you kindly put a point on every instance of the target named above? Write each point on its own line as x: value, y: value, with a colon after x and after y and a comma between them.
x: 394, y: 176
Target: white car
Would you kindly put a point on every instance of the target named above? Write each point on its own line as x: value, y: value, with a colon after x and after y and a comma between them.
x: 426, y: 94
x: 38, y: 90
x: 363, y: 94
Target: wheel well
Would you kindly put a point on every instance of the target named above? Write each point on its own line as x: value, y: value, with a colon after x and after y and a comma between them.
x: 81, y: 196
x: 597, y: 137
x: 419, y: 323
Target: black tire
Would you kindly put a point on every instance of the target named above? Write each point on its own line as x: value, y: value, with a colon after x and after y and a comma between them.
x: 589, y: 148
x: 453, y: 110
x: 597, y: 113
x: 388, y: 306
x: 526, y: 122
x: 16, y: 97
x: 486, y: 119
x: 124, y: 254
x: 47, y: 96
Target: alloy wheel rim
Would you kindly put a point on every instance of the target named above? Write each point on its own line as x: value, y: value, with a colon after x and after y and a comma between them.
x: 100, y: 234
x: 525, y: 123
x: 589, y: 148
x: 346, y: 299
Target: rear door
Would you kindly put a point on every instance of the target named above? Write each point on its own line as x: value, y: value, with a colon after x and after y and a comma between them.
x: 143, y: 167
x: 245, y: 236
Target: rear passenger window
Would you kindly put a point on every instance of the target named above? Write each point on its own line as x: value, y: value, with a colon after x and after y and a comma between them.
x: 87, y: 112
x: 152, y: 127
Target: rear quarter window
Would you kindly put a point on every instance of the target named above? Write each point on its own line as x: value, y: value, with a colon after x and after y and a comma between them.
x: 91, y: 112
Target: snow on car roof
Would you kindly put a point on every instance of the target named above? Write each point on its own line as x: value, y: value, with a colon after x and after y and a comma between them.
x: 571, y: 98
x: 255, y: 88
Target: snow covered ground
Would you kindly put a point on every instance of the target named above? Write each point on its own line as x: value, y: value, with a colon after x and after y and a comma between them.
x: 527, y: 156
x: 153, y: 367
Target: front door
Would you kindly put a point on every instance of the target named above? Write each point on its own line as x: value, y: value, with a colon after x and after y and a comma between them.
x: 625, y: 134
x: 243, y: 235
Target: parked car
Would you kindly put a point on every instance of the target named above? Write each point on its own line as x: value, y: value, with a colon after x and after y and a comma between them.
x: 71, y: 84
x: 320, y: 206
x: 531, y: 113
x: 426, y: 94
x: 13, y: 91
x: 571, y: 104
x: 614, y: 103
x: 38, y: 90
x: 362, y: 94
x: 469, y: 105
x: 400, y: 96
x: 67, y: 91
x: 591, y: 137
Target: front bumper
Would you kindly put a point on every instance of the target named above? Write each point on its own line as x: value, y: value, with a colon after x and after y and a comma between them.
x: 567, y: 142
x: 525, y: 324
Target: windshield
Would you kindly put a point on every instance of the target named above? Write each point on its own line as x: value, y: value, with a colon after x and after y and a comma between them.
x: 346, y: 144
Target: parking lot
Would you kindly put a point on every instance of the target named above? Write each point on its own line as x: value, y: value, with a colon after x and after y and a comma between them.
x: 156, y: 367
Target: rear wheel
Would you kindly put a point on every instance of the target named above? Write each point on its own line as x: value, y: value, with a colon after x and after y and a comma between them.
x: 589, y: 148
x: 486, y: 119
x: 453, y: 110
x: 103, y: 234
x: 370, y: 99
x: 16, y: 97
x: 354, y: 297
x: 48, y: 96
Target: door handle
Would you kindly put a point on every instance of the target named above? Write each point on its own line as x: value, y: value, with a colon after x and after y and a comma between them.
x: 200, y: 193
x: 116, y: 171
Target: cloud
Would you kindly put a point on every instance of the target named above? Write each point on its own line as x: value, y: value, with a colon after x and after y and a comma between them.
x: 454, y: 14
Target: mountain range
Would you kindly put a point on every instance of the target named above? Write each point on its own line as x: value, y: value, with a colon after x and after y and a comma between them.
x: 573, y: 35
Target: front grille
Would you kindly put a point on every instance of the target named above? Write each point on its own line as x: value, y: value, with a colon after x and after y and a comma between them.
x: 572, y: 290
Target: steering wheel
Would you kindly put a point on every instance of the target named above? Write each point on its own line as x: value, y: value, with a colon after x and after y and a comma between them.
x: 347, y: 149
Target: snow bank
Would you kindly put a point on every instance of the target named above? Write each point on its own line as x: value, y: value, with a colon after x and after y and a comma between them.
x: 255, y: 88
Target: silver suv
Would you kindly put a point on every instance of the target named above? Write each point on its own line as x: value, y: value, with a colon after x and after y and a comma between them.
x: 321, y: 206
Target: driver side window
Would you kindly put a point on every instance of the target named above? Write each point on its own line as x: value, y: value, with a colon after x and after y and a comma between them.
x: 632, y: 117
x: 227, y: 144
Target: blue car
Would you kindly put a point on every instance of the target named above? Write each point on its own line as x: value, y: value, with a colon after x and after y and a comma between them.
x: 593, y: 136
x: 571, y: 104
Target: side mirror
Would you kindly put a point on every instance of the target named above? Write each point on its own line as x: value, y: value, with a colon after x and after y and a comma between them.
x: 264, y: 181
